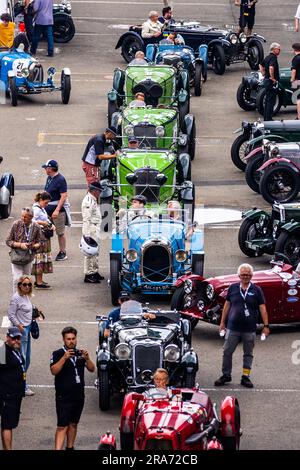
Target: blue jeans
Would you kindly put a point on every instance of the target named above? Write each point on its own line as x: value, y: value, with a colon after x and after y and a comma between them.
x: 26, y: 346
x: 48, y: 31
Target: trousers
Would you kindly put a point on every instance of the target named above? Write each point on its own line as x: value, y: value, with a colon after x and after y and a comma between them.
x: 232, y: 339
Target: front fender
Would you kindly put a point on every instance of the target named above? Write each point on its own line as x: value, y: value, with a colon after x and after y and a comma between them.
x: 253, y: 152
x: 190, y: 359
x: 290, y: 227
x: 184, y: 161
x: 219, y: 42
x: 229, y: 427
x: 112, y: 96
x: 189, y: 120
x: 253, y: 213
x: 193, y: 277
x: 187, y: 193
x: 283, y: 161
x: 128, y: 34
x: 7, y: 188
x: 128, y: 413
x: 151, y: 51
x: 268, y: 137
x: 103, y: 357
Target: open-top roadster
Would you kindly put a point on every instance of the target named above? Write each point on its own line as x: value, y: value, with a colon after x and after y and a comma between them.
x: 198, y: 298
x: 224, y: 46
x: 185, y: 420
x: 136, y: 347
x: 7, y: 190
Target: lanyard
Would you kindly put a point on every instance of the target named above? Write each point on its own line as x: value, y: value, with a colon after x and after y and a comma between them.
x: 27, y: 231
x: 244, y: 294
x: 74, y: 360
x: 19, y: 357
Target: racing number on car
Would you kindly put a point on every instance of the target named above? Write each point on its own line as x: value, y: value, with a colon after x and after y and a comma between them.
x: 18, y: 65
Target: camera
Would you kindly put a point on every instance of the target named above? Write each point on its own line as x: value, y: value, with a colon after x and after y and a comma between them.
x: 77, y: 353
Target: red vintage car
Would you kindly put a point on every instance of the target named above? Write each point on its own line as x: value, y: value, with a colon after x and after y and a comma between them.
x: 184, y: 420
x: 202, y: 299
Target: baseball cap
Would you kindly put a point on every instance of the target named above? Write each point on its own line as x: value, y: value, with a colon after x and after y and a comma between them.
x: 124, y: 295
x: 132, y: 139
x: 50, y: 164
x: 139, y: 197
x: 13, y: 332
x: 111, y: 129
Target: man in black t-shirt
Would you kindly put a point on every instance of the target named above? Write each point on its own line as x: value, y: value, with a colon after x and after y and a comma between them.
x: 270, y: 70
x: 295, y: 77
x: 67, y: 365
x: 247, y: 15
x: 12, y: 385
x: 244, y: 302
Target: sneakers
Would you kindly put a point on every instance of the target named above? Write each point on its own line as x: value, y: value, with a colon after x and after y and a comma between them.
x: 62, y: 256
x: 28, y: 392
x: 246, y: 382
x: 222, y: 380
x: 42, y: 286
x: 99, y: 276
x: 91, y: 279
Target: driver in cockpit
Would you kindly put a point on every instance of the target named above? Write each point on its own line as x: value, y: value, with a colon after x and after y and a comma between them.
x: 137, y: 209
x: 161, y: 380
x: 173, y: 39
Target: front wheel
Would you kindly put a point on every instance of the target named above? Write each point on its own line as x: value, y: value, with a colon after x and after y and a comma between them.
x: 255, y: 54
x: 63, y: 28
x: 130, y: 46
x: 218, y: 61
x: 112, y: 107
x: 65, y: 87
x: 243, y: 97
x: 190, y: 379
x: 126, y: 441
x: 115, y: 284
x: 261, y: 102
x: 279, y: 183
x: 192, y: 141
x: 104, y: 390
x: 183, y: 111
x: 238, y: 151
x: 250, y: 229
x: 198, y: 79
x: 289, y: 245
x: 252, y: 174
x: 5, y: 209
x: 13, y: 91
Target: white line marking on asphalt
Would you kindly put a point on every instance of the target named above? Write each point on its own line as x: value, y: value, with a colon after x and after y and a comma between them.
x: 93, y: 34
x: 108, y: 2
x: 30, y: 119
x: 6, y: 323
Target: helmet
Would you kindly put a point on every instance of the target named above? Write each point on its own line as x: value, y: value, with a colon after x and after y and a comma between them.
x: 88, y: 246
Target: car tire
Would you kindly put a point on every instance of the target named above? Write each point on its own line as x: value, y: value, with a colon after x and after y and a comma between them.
x: 218, y: 61
x: 183, y: 109
x: 198, y: 267
x: 115, y: 284
x: 192, y: 141
x: 13, y: 91
x: 130, y: 46
x: 238, y: 149
x: 198, y: 79
x: 5, y: 209
x: 270, y: 180
x: 112, y: 108
x: 63, y: 29
x: 244, y: 99
x: 248, y: 232
x: 233, y: 442
x: 65, y: 81
x: 261, y: 99
x: 190, y: 380
x: 288, y: 243
x: 252, y: 176
x: 177, y: 304
x: 104, y: 390
x: 126, y: 441
x: 189, y: 205
x: 256, y: 54
x: 106, y: 215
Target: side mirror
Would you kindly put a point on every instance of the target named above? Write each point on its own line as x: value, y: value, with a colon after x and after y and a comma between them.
x: 131, y: 178
x: 51, y: 71
x: 161, y: 179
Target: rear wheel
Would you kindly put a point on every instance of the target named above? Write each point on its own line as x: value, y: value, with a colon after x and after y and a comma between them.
x: 5, y: 209
x: 250, y: 230
x: 252, y: 174
x: 279, y: 184
x: 130, y: 46
x: 218, y: 61
x: 115, y: 284
x: 104, y: 390
x: 65, y: 87
x: 238, y: 151
x: 198, y: 79
x: 63, y: 28
x: 243, y: 96
x: 126, y: 441
x: 183, y: 109
x: 289, y: 245
x: 261, y: 100
x: 13, y: 91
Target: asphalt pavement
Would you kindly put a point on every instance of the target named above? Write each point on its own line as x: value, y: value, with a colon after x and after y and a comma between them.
x: 41, y: 128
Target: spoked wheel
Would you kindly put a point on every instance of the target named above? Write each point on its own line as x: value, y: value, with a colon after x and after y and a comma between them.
x: 243, y: 96
x: 289, y: 245
x: 63, y: 29
x: 181, y: 301
x: 252, y: 174
x: 198, y: 79
x: 256, y: 54
x: 218, y: 60
x: 130, y: 46
x: 238, y: 151
x: 252, y: 229
x: 279, y: 184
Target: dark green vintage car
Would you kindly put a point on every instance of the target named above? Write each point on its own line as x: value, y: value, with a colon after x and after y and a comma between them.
x: 276, y: 232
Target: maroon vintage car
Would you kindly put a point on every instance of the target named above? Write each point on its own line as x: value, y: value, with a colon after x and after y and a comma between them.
x: 202, y: 299
x: 186, y: 420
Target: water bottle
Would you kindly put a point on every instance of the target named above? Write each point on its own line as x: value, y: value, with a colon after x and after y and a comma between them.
x: 263, y: 337
x: 222, y: 333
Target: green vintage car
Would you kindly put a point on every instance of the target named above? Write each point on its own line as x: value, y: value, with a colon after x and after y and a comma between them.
x: 276, y: 232
x: 161, y: 85
x: 157, y: 129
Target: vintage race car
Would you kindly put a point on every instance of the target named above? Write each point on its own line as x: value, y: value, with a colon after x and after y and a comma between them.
x: 136, y: 347
x: 184, y: 420
x: 275, y: 232
x: 253, y: 134
x: 150, y: 251
x: 162, y: 128
x: 182, y: 57
x: 161, y: 85
x: 7, y: 190
x: 22, y: 74
x: 224, y: 46
x: 203, y: 299
x: 251, y: 94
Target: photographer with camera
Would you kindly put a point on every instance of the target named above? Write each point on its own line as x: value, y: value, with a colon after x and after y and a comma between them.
x: 67, y: 365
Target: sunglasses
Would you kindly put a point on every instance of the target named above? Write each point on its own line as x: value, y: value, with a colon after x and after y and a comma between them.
x: 16, y: 338
x: 26, y: 284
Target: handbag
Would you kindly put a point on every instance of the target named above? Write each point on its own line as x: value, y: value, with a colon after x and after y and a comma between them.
x: 48, y: 233
x: 20, y: 257
x: 34, y: 329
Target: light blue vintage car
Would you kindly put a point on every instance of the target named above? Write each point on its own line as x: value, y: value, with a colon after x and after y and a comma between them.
x: 7, y: 190
x: 151, y: 250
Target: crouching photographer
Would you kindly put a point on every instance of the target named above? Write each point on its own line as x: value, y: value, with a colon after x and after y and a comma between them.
x: 67, y: 365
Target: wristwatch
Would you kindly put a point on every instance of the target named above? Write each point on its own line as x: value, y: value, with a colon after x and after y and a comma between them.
x: 266, y: 326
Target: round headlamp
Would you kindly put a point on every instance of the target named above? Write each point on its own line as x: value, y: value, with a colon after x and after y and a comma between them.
x: 200, y: 305
x: 243, y: 38
x: 274, y: 152
x: 160, y: 131
x: 131, y: 255
x: 122, y: 351
x: 188, y: 286
x: 233, y: 38
x: 129, y: 130
x: 25, y: 72
x: 171, y: 353
x: 181, y: 256
x: 210, y: 291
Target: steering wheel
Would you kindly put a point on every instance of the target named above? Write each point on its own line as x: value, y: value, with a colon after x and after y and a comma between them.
x: 144, y: 215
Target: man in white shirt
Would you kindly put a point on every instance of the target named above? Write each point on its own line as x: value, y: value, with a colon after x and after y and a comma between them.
x: 297, y: 17
x: 152, y: 28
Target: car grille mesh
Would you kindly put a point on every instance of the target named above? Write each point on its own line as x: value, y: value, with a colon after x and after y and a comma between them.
x: 147, y: 185
x: 156, y: 263
x: 146, y: 135
x: 146, y: 358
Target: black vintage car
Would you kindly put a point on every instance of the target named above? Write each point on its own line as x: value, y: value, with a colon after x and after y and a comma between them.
x: 127, y: 359
x: 225, y: 47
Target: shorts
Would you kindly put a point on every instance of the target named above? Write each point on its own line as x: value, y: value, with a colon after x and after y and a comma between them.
x: 92, y: 173
x: 60, y: 223
x: 10, y: 410
x: 68, y: 411
x: 247, y: 20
